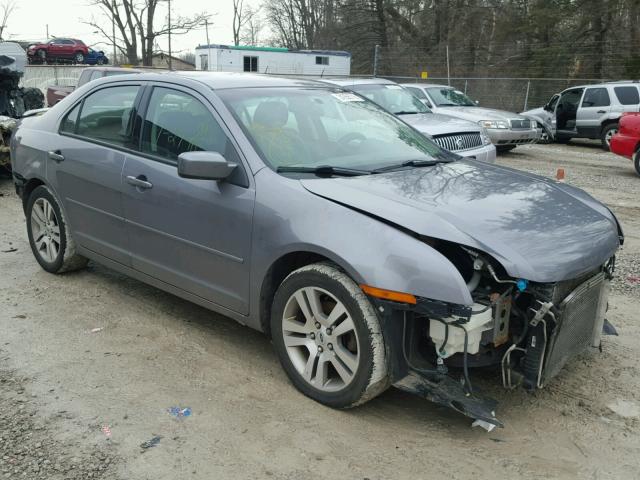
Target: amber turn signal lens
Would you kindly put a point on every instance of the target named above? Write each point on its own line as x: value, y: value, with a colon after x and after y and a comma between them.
x: 389, y: 294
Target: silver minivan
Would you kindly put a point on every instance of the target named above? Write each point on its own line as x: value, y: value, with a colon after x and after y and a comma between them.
x: 587, y: 111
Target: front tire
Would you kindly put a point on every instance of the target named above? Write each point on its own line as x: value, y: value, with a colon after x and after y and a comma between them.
x: 607, y: 133
x: 49, y: 237
x: 328, y: 338
x: 636, y: 161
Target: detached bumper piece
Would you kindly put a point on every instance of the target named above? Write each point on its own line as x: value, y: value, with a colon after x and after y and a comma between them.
x: 450, y: 393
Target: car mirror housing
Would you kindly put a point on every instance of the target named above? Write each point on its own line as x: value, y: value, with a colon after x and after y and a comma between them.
x: 204, y: 166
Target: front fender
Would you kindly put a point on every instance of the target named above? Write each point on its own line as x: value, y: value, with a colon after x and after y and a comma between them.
x: 290, y: 219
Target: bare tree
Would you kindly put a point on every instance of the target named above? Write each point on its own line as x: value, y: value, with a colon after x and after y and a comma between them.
x: 252, y: 28
x: 6, y: 9
x: 242, y: 17
x: 136, y: 26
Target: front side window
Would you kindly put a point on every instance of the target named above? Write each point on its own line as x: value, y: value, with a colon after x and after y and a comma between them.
x: 250, y: 64
x: 596, y: 97
x: 449, y: 97
x: 627, y: 95
x: 70, y: 121
x: 106, y: 115
x: 177, y: 122
x: 322, y: 60
x: 393, y: 98
x: 312, y: 127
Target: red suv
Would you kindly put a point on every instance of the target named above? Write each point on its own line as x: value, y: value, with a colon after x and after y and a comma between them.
x: 58, y: 49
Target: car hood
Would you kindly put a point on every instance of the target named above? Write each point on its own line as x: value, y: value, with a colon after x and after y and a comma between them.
x: 536, y: 112
x: 475, y: 114
x: 438, y: 124
x: 536, y: 228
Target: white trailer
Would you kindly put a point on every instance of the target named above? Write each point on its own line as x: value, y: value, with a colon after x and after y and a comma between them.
x: 225, y: 58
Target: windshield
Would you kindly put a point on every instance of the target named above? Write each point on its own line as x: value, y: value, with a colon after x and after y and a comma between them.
x: 393, y: 98
x: 449, y: 97
x: 312, y: 127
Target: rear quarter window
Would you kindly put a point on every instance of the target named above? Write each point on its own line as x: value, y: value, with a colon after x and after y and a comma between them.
x: 627, y: 95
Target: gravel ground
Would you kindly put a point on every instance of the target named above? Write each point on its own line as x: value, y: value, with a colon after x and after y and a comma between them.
x: 93, y: 349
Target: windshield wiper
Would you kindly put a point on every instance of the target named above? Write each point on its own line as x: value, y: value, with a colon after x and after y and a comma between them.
x: 406, y: 112
x: 325, y: 170
x: 412, y: 163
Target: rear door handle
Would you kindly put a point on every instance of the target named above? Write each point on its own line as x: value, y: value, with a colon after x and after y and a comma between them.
x: 602, y: 111
x: 56, y: 156
x: 140, y: 181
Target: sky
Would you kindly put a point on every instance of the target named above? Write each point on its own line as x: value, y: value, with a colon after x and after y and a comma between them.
x: 64, y: 17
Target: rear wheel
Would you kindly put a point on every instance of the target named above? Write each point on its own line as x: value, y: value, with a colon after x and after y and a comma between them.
x: 607, y: 134
x: 79, y: 57
x: 328, y: 338
x: 49, y: 236
x: 42, y: 54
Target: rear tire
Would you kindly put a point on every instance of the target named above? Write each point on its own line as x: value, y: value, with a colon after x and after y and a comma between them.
x: 327, y: 336
x: 49, y: 237
x: 79, y: 57
x: 607, y: 132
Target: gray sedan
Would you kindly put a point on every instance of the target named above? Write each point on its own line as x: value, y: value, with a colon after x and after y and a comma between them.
x: 371, y: 256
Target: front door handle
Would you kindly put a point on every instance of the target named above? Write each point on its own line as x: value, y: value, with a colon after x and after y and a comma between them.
x: 140, y: 181
x: 56, y: 156
x: 602, y: 111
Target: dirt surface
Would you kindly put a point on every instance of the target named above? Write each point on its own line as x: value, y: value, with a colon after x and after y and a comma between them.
x: 77, y: 402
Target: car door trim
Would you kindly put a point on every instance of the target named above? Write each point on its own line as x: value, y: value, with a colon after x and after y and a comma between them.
x: 219, y: 253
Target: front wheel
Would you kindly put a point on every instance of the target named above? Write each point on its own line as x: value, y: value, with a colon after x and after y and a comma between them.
x: 607, y: 134
x: 636, y: 161
x: 328, y: 338
x: 49, y: 236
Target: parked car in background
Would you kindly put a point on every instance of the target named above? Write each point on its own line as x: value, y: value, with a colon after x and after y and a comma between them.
x: 459, y: 136
x: 95, y: 57
x: 626, y: 141
x: 371, y: 256
x: 507, y: 130
x: 544, y: 117
x: 55, y: 49
x: 587, y: 111
x: 56, y: 93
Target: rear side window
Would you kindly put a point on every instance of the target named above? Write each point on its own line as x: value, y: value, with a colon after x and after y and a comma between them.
x: 417, y: 92
x: 106, y: 115
x: 596, y: 97
x: 177, y: 122
x: 627, y: 95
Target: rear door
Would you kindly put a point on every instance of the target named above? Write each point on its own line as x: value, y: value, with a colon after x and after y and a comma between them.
x: 593, y: 111
x: 85, y: 164
x: 192, y: 234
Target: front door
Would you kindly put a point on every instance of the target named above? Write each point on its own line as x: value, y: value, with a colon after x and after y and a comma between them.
x: 593, y: 110
x: 192, y: 234
x: 85, y: 166
x: 566, y: 110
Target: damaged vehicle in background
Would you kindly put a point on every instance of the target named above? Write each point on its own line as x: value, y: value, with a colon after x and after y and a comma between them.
x: 14, y: 99
x: 371, y: 256
x: 462, y: 137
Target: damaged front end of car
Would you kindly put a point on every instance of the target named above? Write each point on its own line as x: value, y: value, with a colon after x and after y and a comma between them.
x: 525, y: 330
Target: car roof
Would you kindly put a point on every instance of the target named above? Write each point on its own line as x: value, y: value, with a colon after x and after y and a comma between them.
x: 619, y: 83
x: 426, y: 85
x: 349, y: 82
x: 225, y: 80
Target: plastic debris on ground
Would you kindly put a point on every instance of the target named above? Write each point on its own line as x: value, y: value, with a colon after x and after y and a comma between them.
x: 151, y: 443
x: 96, y: 330
x: 179, y: 412
x: 106, y: 430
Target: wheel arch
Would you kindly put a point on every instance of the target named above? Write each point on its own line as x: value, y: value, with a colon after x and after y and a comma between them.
x: 282, y: 267
x: 29, y: 187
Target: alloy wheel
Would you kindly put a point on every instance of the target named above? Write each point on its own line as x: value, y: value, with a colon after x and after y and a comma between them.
x: 609, y: 135
x: 321, y: 339
x: 45, y: 229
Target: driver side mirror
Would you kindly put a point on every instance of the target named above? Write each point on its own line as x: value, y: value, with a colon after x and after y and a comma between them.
x: 426, y: 103
x: 204, y: 166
